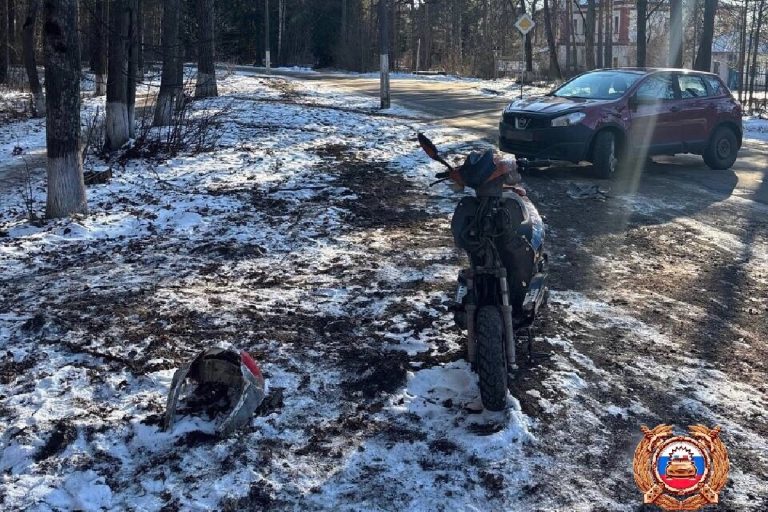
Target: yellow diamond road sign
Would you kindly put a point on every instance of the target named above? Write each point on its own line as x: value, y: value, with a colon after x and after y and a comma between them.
x: 525, y: 24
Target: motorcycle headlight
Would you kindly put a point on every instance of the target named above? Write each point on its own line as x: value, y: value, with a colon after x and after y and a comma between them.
x: 569, y: 119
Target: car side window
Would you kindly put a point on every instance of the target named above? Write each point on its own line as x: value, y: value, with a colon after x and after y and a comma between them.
x: 691, y: 86
x: 715, y: 86
x: 656, y: 88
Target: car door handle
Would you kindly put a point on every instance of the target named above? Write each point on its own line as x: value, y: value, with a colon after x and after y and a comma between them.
x: 674, y: 109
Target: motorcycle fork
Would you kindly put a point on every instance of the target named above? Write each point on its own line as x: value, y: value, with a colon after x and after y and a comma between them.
x: 470, y: 309
x: 506, y: 314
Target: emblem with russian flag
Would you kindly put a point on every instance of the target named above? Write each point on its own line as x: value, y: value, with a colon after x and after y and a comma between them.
x: 681, y: 465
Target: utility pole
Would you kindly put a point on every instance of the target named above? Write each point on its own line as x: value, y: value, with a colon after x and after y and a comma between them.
x: 266, y: 34
x: 384, y: 54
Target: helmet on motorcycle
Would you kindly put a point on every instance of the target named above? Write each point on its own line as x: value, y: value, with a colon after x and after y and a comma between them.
x: 477, y: 168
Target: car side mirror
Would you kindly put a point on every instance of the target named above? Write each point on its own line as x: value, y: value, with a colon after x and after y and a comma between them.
x: 632, y: 102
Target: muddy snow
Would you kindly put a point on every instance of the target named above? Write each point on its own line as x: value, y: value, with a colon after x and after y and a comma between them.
x: 305, y: 232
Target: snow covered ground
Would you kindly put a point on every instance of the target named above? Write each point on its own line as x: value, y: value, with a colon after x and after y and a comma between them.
x: 309, y: 237
x: 755, y: 128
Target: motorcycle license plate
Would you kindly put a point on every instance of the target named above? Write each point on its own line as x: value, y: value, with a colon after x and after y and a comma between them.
x: 461, y: 292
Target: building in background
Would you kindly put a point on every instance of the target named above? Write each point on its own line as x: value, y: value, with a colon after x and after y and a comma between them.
x: 623, y: 35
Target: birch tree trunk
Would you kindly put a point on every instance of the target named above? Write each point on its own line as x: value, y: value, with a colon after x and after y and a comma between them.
x: 117, y: 123
x: 206, y: 69
x: 66, y: 190
x: 28, y: 50
x: 172, y: 74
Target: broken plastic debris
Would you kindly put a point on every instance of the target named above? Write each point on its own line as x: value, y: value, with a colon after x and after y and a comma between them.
x: 215, y: 372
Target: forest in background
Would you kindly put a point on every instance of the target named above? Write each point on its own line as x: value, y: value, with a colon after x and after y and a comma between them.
x: 456, y: 36
x: 120, y: 39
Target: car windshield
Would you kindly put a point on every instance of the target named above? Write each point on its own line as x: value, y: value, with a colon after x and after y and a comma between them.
x: 600, y: 85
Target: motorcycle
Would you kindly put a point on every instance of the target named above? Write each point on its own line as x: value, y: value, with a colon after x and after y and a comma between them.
x: 501, y: 293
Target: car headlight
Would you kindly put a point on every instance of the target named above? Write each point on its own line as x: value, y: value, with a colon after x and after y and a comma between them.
x: 569, y: 119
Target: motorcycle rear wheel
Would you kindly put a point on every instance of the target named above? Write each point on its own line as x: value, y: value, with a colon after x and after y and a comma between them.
x: 491, y: 360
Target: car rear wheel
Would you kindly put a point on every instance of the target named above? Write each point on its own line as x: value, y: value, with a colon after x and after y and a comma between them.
x: 605, y: 156
x: 720, y: 154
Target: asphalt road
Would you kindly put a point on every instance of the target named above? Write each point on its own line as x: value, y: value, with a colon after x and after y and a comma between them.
x: 457, y: 104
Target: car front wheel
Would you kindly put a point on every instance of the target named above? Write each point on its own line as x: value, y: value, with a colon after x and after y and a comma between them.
x: 720, y: 154
x: 605, y: 155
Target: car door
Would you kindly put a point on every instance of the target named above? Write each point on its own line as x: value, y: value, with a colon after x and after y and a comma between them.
x: 654, y: 109
x: 693, y: 116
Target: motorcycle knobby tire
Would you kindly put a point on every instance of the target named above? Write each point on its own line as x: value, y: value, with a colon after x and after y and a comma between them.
x: 491, y: 360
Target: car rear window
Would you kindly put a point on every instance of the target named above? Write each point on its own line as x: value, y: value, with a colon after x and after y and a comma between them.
x: 716, y: 86
x: 691, y: 86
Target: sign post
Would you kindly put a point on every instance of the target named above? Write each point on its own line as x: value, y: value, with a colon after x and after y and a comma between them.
x: 524, y: 24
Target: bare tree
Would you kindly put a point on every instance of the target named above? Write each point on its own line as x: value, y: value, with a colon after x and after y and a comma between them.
x: 704, y: 56
x: 98, y: 44
x: 66, y: 190
x: 4, y: 40
x: 117, y: 123
x: 742, y: 48
x: 757, y: 19
x: 608, y: 50
x: 600, y: 24
x: 554, y: 66
x: 133, y: 65
x: 28, y: 50
x: 675, y: 33
x: 206, y: 68
x: 171, y: 80
x: 641, y: 26
x: 589, y: 34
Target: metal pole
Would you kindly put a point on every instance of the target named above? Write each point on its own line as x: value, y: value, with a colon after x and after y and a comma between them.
x: 266, y: 35
x: 522, y: 66
x: 384, y: 51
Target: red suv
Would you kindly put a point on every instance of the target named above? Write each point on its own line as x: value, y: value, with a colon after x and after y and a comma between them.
x: 606, y: 115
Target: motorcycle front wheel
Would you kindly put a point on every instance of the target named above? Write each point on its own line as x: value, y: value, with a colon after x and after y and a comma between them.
x: 491, y: 361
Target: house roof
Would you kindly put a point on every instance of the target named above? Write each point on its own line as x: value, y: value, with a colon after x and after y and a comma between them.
x: 729, y: 43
